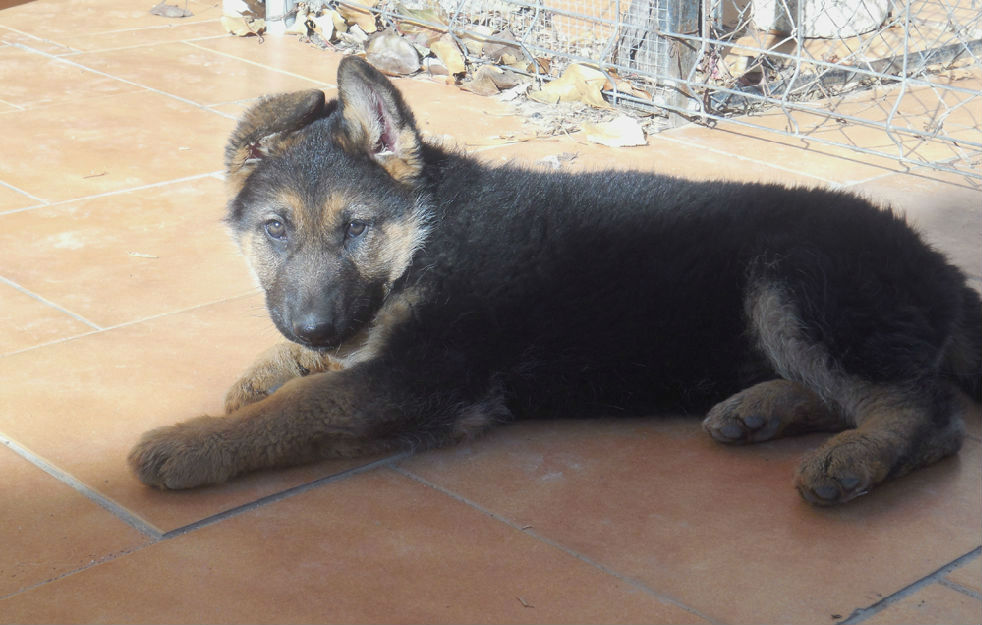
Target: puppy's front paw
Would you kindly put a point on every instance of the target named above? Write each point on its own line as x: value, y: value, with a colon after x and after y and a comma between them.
x: 183, y: 456
x: 248, y: 390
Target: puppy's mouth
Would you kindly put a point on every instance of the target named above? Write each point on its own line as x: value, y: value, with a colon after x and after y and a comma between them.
x: 341, y: 349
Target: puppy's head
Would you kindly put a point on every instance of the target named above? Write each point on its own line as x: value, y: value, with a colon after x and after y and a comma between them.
x: 325, y: 202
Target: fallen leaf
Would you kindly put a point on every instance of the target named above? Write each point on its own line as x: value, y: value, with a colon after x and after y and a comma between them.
x: 481, y: 82
x: 324, y: 25
x: 445, y: 49
x: 476, y: 38
x: 435, y: 67
x: 621, y: 132
x: 360, y: 17
x: 579, y: 83
x: 242, y: 27
x: 555, y: 161
x: 340, y: 25
x: 391, y: 54
x: 170, y: 10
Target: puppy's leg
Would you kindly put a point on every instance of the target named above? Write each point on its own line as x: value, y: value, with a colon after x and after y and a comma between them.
x: 770, y: 410
x: 896, y: 426
x: 362, y: 410
x: 272, y: 369
x: 897, y: 431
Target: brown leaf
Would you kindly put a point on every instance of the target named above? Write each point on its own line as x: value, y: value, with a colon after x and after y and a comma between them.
x: 169, y: 10
x: 579, y: 83
x: 391, y: 54
x: 482, y: 83
x: 623, y: 131
x: 360, y: 17
x: 445, y: 49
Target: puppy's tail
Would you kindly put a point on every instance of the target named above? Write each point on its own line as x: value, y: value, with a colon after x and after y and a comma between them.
x: 963, y: 360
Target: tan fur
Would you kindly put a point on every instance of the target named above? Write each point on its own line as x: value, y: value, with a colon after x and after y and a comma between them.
x: 886, y: 419
x: 770, y: 410
x: 364, y: 131
x: 367, y: 344
x: 272, y: 369
x: 267, y: 128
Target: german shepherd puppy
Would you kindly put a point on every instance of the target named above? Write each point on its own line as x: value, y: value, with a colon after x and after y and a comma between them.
x: 428, y: 297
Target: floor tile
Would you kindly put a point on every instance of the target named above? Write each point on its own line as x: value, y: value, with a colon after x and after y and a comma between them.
x: 16, y: 37
x: 107, y: 144
x: 172, y: 30
x: 158, y: 250
x: 26, y: 321
x: 193, y: 72
x: 13, y: 200
x: 286, y: 54
x: 89, y: 399
x: 717, y: 528
x: 948, y: 215
x: 60, y: 20
x: 445, y: 112
x: 373, y: 548
x: 28, y: 79
x: 831, y: 163
x: 659, y: 156
x: 49, y: 529
x: 968, y: 575
x: 931, y: 605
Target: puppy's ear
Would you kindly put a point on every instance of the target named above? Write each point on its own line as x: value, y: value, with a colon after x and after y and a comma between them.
x: 268, y: 128
x: 375, y: 120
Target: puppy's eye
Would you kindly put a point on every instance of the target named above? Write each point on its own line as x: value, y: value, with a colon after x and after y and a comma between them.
x: 276, y: 229
x: 355, y: 229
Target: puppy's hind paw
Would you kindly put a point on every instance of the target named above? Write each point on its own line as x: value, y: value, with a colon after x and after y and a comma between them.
x: 841, y: 470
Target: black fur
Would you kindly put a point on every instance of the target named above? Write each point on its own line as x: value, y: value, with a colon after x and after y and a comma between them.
x: 610, y: 293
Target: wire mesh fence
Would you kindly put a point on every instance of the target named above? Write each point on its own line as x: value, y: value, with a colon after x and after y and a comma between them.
x: 898, y: 79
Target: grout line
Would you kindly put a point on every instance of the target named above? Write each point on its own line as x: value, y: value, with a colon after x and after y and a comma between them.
x: 555, y: 545
x: 11, y: 104
x: 114, y: 508
x: 36, y: 38
x: 125, y: 324
x: 22, y: 192
x: 62, y: 59
x: 95, y: 196
x: 48, y: 302
x: 947, y: 583
x: 167, y: 26
x: 106, y: 558
x: 281, y: 495
x: 830, y: 183
x: 143, y: 45
x: 262, y: 65
x: 860, y: 615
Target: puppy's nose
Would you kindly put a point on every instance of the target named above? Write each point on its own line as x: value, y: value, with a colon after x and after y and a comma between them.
x: 315, y: 330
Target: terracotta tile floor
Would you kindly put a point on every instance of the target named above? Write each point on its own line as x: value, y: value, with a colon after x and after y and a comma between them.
x: 123, y: 306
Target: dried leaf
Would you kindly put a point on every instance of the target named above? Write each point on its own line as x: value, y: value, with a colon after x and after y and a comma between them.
x: 445, y: 49
x: 241, y: 26
x: 482, y: 82
x: 340, y: 25
x: 391, y: 54
x: 623, y: 131
x: 169, y: 10
x: 435, y: 67
x: 475, y: 39
x: 324, y: 25
x: 579, y: 83
x: 360, y: 17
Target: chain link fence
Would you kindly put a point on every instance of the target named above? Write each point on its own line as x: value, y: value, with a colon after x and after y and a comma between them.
x: 899, y: 79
